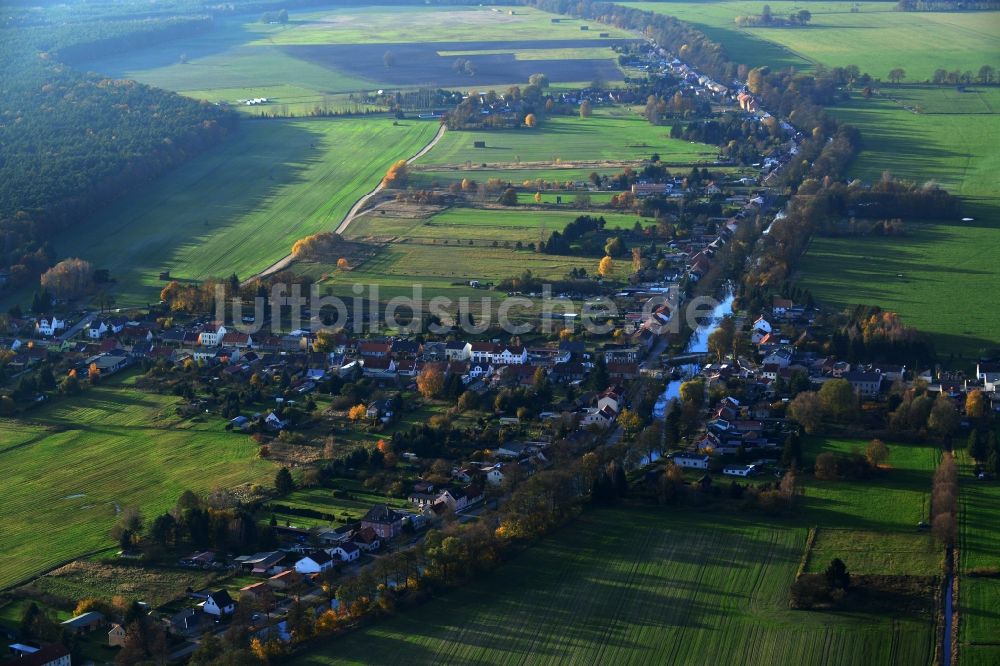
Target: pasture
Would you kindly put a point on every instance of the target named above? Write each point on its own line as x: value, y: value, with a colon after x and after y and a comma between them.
x: 875, y: 38
x: 322, y: 52
x: 241, y: 206
x: 482, y: 224
x: 611, y: 134
x: 944, y: 263
x: 81, y: 460
x: 638, y: 586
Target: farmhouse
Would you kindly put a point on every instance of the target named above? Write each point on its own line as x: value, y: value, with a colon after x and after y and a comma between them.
x: 386, y: 522
x: 347, y: 551
x: 84, y: 624
x: 868, y: 384
x: 691, y: 461
x: 116, y: 635
x: 315, y: 562
x: 219, y: 604
x: 49, y: 325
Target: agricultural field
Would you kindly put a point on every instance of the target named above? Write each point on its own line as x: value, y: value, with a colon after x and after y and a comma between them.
x: 324, y: 501
x: 443, y: 270
x: 639, y: 586
x: 84, y: 459
x: 612, y: 134
x: 875, y: 37
x: 305, y: 63
x: 894, y: 501
x: 240, y: 207
x: 978, y: 549
x: 482, y: 225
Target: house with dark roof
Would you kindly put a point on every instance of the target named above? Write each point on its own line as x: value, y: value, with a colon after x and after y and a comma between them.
x: 386, y: 521
x: 219, y: 604
x: 55, y: 654
x: 315, y: 562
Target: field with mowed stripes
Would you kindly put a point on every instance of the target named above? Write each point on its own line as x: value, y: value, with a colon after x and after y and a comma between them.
x: 639, y: 586
x: 69, y: 468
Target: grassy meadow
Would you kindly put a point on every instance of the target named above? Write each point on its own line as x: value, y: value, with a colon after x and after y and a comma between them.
x: 240, y: 207
x: 482, y: 225
x: 240, y: 57
x: 71, y: 466
x: 617, y: 134
x: 875, y: 37
x: 638, y: 586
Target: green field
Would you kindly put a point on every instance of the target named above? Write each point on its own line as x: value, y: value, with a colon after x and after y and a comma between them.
x: 322, y: 499
x: 610, y: 134
x: 482, y: 225
x: 445, y: 270
x: 875, y: 38
x: 240, y: 57
x: 240, y: 207
x: 978, y: 547
x: 82, y: 459
x: 639, y: 586
x: 525, y: 177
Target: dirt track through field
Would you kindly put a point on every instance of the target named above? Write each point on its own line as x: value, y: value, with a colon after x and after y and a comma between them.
x: 286, y: 261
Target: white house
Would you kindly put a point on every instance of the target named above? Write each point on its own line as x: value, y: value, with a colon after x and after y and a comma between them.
x: 602, y: 418
x: 691, y: 461
x: 49, y: 325
x: 219, y: 604
x: 482, y: 352
x: 211, y: 335
x: 780, y: 357
x: 739, y: 470
x: 609, y: 399
x: 97, y: 329
x: 761, y: 324
x: 347, y: 551
x: 511, y: 355
x: 458, y: 350
x: 315, y: 562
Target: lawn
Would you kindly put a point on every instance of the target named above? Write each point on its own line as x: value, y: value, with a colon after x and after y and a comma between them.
x: 90, y: 456
x: 876, y: 38
x: 319, y: 53
x: 241, y: 206
x: 323, y: 500
x: 639, y: 586
x: 895, y: 500
x: 610, y: 134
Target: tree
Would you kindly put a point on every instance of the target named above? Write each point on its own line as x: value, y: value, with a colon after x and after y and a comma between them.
x: 585, y: 110
x: 540, y: 80
x: 283, y: 481
x: 606, y: 267
x: 986, y: 74
x: 388, y: 59
x: 538, y: 197
x: 896, y: 75
x: 804, y: 16
x: 530, y: 120
x: 975, y: 406
x: 630, y: 421
x: 430, y: 382
x: 944, y: 417
x: 358, y: 412
x: 343, y: 265
x: 826, y: 466
x: 396, y: 175
x: 876, y: 452
x: 765, y: 14
x: 838, y: 398
x: 837, y: 576
x: 693, y: 391
x: 807, y: 410
x: 508, y: 198
x: 70, y: 278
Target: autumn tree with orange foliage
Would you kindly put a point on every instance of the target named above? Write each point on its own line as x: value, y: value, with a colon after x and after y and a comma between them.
x: 69, y: 278
x: 397, y: 175
x: 316, y: 246
x: 607, y: 267
x: 343, y: 265
x: 430, y: 382
x: 530, y: 120
x: 357, y: 412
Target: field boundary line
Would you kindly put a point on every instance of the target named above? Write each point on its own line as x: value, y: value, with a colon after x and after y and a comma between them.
x: 287, y: 260
x: 807, y: 553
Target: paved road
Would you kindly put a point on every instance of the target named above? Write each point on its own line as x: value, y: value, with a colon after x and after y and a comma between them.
x: 76, y: 328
